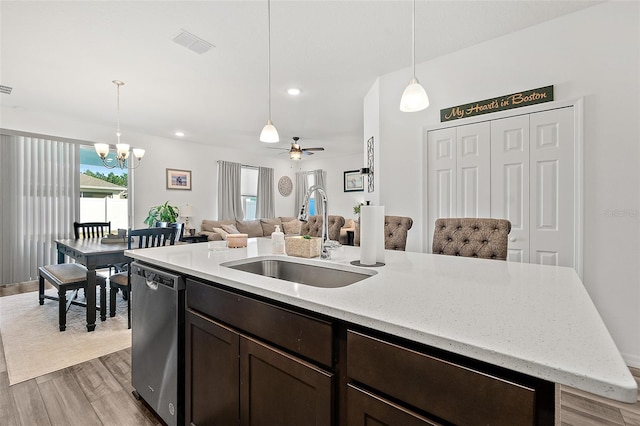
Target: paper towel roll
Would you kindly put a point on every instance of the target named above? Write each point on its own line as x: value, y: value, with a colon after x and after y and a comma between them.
x: 371, y: 235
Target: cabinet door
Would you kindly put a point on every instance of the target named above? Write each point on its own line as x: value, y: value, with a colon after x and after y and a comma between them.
x: 279, y: 389
x: 212, y: 365
x: 458, y: 173
x: 552, y: 184
x: 367, y: 409
x: 474, y: 170
x: 510, y: 181
x: 441, y: 176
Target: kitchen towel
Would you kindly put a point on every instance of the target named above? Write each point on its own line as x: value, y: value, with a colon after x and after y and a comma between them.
x: 371, y: 235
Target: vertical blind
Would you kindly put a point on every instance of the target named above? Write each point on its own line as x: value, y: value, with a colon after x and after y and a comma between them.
x: 39, y: 200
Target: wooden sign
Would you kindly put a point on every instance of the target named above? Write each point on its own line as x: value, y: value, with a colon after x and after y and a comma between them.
x: 501, y: 103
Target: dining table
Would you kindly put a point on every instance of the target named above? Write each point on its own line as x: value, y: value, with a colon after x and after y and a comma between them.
x: 93, y: 254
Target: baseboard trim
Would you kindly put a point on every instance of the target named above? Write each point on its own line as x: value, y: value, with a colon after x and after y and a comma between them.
x: 631, y: 360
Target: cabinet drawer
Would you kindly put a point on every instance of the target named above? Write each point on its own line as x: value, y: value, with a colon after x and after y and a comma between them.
x: 365, y: 409
x: 306, y: 336
x: 454, y: 393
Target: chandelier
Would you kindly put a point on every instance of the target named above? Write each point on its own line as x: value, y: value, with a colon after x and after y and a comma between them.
x: 122, y: 149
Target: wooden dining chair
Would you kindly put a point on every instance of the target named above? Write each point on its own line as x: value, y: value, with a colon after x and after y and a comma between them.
x: 179, y: 229
x: 91, y: 229
x: 147, y: 237
x: 68, y: 277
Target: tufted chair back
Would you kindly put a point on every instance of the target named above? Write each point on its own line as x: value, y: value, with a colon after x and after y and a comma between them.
x: 472, y: 237
x: 395, y: 232
x: 313, y: 227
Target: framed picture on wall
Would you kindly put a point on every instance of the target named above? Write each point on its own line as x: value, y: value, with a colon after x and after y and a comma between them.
x: 179, y: 179
x: 353, y: 181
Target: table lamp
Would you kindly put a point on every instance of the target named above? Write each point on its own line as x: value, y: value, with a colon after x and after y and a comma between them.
x: 186, y: 212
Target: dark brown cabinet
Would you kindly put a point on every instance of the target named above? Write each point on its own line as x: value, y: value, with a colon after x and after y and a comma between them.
x: 459, y: 394
x: 367, y: 409
x: 279, y: 389
x: 212, y: 392
x: 233, y: 378
x: 253, y: 362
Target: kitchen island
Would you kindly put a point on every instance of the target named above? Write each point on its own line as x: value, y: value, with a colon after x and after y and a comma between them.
x: 487, y: 316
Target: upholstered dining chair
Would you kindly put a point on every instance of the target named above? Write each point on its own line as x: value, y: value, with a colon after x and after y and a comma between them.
x: 396, y: 229
x: 313, y: 226
x: 147, y: 237
x: 484, y: 238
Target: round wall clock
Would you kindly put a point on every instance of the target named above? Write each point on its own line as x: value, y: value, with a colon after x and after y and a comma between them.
x: 285, y: 186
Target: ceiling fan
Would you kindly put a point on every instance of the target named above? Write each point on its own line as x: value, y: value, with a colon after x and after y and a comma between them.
x: 296, y: 151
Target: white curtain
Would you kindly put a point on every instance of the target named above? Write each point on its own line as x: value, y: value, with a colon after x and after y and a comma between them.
x: 266, y: 198
x: 229, y: 191
x: 39, y: 201
x: 319, y: 177
x: 301, y: 190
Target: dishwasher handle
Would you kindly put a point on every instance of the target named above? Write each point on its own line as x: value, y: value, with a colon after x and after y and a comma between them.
x: 150, y: 280
x: 154, y: 277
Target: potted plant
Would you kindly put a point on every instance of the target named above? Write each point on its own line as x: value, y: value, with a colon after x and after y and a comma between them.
x: 356, y: 208
x: 162, y: 213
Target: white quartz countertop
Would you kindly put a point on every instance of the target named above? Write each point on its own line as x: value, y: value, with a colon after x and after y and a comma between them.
x: 534, y: 319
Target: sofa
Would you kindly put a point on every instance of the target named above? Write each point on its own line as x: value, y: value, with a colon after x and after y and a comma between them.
x: 215, y: 229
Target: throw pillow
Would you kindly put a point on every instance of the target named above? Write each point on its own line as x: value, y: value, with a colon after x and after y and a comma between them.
x: 231, y: 229
x: 292, y: 227
x: 250, y: 227
x: 222, y: 232
x: 269, y: 226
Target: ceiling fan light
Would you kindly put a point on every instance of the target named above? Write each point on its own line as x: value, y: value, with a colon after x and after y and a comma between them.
x: 295, y: 155
x: 269, y: 133
x: 414, y: 98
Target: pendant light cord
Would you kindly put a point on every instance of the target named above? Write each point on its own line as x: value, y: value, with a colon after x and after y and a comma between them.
x: 269, y: 54
x: 118, y: 84
x: 413, y: 38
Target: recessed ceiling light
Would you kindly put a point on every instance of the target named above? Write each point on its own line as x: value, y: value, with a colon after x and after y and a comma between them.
x: 293, y: 91
x: 180, y: 134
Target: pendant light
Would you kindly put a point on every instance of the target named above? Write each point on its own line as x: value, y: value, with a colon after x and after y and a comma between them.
x: 269, y: 133
x: 414, y: 98
x: 122, y: 149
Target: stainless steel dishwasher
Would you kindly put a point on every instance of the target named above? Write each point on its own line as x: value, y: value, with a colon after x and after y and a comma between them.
x: 157, y: 339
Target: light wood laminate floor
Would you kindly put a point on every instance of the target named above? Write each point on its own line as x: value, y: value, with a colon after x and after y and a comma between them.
x: 98, y: 392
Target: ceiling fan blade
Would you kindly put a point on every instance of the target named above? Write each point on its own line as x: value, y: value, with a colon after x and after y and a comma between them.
x: 305, y: 152
x: 313, y: 149
x: 272, y: 147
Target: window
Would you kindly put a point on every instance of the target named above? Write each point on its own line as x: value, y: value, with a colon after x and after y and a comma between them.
x: 311, y: 180
x: 103, y: 191
x: 249, y: 191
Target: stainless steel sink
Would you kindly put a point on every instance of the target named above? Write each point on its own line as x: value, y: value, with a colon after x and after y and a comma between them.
x: 301, y: 273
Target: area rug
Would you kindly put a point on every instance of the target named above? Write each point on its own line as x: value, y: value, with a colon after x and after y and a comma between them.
x: 33, y: 344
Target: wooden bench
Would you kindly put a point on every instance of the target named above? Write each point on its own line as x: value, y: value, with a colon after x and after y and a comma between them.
x: 66, y: 277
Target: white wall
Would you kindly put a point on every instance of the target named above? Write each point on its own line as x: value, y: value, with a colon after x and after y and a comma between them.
x: 149, y: 179
x: 372, y: 130
x: 595, y: 54
x: 339, y: 202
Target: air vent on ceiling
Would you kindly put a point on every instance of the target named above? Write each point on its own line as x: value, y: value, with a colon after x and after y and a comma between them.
x: 6, y: 89
x: 192, y: 42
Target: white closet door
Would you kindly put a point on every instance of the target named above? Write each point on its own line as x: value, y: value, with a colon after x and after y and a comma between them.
x: 474, y: 170
x: 441, y: 176
x: 552, y: 187
x: 510, y: 181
